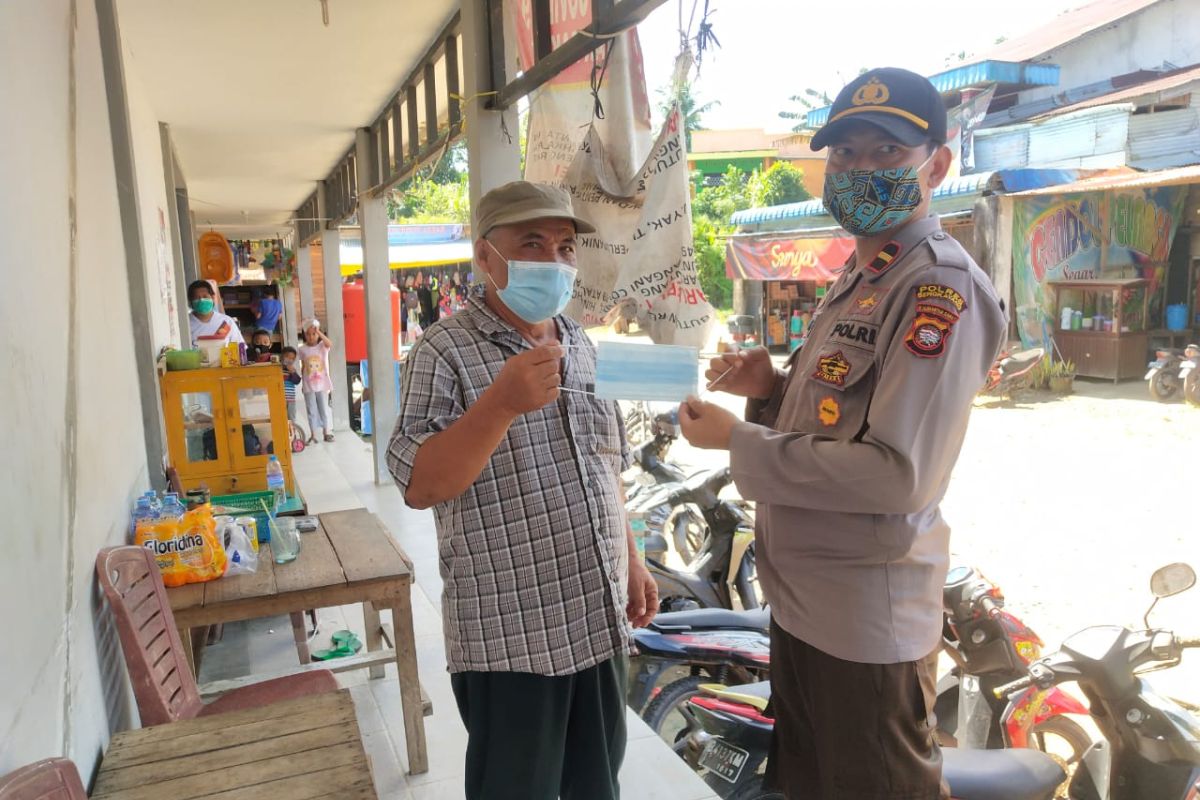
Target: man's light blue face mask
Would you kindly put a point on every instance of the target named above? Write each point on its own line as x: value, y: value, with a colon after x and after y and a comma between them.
x: 646, y: 371
x: 536, y: 290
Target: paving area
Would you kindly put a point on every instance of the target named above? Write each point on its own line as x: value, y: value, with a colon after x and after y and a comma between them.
x: 337, y: 476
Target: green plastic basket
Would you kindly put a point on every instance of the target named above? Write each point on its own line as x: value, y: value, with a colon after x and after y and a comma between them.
x: 247, y: 504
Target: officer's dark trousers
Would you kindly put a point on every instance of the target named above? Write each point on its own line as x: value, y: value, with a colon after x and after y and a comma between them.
x: 532, y: 737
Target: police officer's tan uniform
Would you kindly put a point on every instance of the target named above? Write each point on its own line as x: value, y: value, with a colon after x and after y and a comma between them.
x: 848, y: 461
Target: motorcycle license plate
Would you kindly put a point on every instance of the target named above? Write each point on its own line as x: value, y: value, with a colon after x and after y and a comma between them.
x: 1154, y: 365
x: 724, y: 760
x: 1186, y: 368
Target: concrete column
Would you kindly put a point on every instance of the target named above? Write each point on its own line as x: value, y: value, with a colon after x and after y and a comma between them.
x: 377, y: 284
x: 180, y: 279
x: 304, y: 281
x: 331, y: 263
x: 492, y: 157
x: 291, y: 325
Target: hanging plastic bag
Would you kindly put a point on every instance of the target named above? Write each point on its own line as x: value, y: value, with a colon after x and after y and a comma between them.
x: 240, y: 552
x: 186, y: 548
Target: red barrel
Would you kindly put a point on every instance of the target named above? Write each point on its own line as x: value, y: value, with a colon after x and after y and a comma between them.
x: 354, y: 315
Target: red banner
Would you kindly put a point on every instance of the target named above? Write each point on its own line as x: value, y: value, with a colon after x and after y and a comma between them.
x: 770, y: 259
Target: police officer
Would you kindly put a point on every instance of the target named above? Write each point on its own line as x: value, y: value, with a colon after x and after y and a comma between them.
x: 848, y: 453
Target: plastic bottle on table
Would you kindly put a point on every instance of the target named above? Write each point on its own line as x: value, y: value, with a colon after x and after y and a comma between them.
x: 275, y: 483
x: 171, y: 507
x: 142, y: 513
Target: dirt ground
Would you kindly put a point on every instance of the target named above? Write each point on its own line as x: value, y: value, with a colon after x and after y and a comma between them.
x: 1070, y: 503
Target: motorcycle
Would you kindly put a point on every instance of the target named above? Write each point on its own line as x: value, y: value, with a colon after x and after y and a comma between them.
x: 650, y: 457
x: 730, y: 744
x: 1151, y: 746
x: 1010, y: 371
x: 723, y: 568
x: 989, y: 647
x: 1163, y: 375
x: 1189, y: 377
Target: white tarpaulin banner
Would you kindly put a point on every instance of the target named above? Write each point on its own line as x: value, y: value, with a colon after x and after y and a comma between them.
x: 641, y: 258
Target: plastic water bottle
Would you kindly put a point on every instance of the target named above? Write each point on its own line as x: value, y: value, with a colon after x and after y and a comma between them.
x: 171, y: 507
x: 142, y: 512
x: 155, y: 503
x: 275, y: 483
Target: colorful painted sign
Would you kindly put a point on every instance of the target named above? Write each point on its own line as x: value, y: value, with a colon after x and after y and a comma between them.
x: 1088, y: 236
x: 773, y: 259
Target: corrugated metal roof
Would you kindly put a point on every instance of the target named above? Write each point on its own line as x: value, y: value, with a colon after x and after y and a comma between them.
x: 1064, y: 28
x: 1164, y: 139
x: 1125, y: 180
x: 960, y: 187
x: 1092, y: 137
x: 1156, y: 90
x: 978, y: 74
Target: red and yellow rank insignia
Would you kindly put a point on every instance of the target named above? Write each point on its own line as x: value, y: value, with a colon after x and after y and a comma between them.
x: 887, y: 254
x: 930, y: 329
x: 829, y: 412
x: 833, y: 369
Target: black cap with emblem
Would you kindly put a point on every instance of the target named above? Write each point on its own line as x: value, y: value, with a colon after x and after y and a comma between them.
x: 904, y: 104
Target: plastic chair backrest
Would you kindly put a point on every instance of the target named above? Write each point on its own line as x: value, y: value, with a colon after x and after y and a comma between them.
x: 161, y: 677
x: 51, y: 779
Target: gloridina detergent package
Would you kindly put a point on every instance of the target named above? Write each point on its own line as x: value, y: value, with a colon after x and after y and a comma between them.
x: 185, y: 546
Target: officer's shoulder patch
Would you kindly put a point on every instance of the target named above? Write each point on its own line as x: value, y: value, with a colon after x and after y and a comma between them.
x: 930, y: 330
x: 947, y: 252
x: 941, y: 292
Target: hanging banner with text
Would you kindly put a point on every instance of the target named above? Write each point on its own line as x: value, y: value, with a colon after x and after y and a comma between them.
x: 1089, y: 236
x: 773, y: 259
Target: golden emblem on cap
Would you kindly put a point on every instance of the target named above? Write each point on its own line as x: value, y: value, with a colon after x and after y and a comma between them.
x: 873, y: 92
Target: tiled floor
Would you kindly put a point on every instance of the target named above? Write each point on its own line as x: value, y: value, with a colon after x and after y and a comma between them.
x: 337, y: 476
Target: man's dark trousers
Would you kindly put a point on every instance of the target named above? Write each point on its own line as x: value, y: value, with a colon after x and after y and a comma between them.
x: 533, y: 737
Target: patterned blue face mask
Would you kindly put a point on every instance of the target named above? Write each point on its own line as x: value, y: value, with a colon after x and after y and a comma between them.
x: 536, y: 290
x: 866, y: 202
x: 646, y: 371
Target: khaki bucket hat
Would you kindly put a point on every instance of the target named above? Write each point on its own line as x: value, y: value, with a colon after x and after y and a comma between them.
x: 522, y: 201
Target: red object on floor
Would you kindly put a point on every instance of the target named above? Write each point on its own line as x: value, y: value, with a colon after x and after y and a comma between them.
x: 158, y: 669
x: 354, y: 317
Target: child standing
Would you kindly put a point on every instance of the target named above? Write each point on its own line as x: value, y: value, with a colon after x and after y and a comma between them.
x: 291, y: 379
x: 314, y: 356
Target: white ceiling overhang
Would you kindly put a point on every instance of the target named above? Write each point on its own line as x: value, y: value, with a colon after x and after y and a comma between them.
x: 262, y: 98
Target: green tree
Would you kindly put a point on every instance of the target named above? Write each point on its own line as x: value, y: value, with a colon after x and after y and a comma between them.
x: 435, y: 194
x: 709, y: 243
x: 810, y: 100
x: 781, y: 183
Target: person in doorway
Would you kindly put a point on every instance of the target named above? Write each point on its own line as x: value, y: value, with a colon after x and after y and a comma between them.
x: 314, y: 356
x: 204, y: 321
x: 542, y: 579
x: 267, y: 309
x: 848, y: 454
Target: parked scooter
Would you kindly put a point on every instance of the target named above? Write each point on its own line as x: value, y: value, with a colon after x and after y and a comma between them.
x: 650, y: 457
x: 1189, y: 375
x: 1010, y: 371
x: 1152, y: 744
x: 722, y: 574
x: 1163, y: 375
x: 730, y: 743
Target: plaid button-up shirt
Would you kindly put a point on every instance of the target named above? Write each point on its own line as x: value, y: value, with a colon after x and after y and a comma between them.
x: 534, y: 555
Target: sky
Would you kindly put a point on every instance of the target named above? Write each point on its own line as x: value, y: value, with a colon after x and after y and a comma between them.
x: 772, y: 49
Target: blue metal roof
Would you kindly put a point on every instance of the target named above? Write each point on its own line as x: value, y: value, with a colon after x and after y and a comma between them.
x: 984, y: 72
x: 964, y: 185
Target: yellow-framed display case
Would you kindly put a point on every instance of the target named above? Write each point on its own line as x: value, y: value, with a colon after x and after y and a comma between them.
x: 223, y: 423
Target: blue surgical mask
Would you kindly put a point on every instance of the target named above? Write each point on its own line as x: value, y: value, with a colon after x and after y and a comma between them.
x: 627, y: 371
x: 536, y: 290
x: 866, y: 202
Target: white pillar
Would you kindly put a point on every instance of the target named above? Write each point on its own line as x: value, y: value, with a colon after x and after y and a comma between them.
x: 331, y: 265
x: 377, y: 284
x: 304, y: 281
x: 492, y: 158
x: 291, y: 325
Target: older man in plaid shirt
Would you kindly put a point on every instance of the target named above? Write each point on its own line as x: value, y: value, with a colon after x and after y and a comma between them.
x: 500, y: 434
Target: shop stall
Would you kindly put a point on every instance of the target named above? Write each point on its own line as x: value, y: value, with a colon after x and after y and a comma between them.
x: 1102, y: 326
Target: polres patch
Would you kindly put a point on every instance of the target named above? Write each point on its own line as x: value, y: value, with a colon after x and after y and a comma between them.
x: 833, y: 369
x: 855, y: 334
x: 937, y: 291
x: 931, y: 328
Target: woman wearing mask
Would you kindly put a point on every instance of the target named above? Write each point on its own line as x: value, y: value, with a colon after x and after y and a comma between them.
x: 205, y: 321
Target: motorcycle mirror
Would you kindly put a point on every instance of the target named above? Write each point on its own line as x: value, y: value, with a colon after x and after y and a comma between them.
x: 1172, y: 580
x: 1169, y: 581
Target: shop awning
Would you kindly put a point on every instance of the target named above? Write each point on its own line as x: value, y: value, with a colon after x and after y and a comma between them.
x: 771, y: 257
x: 410, y: 256
x: 1123, y: 179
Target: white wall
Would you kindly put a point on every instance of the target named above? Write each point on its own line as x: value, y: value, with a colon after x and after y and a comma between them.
x: 70, y: 424
x: 1167, y: 31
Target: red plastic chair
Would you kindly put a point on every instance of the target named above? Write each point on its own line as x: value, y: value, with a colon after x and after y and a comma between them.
x: 51, y: 779
x: 162, y: 680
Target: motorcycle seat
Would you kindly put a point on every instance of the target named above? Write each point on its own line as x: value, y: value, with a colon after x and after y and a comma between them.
x: 752, y: 694
x: 1018, y: 774
x: 712, y: 619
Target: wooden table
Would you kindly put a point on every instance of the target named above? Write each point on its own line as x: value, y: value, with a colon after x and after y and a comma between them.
x: 350, y: 558
x: 305, y: 748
